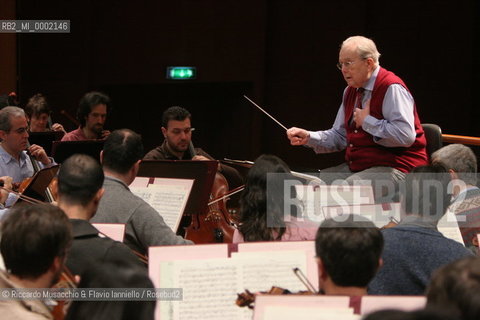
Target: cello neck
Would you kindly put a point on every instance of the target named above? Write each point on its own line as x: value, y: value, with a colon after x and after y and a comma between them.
x: 34, y: 162
x: 191, y: 149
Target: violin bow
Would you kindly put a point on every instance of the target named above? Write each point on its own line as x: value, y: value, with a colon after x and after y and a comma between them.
x: 23, y: 197
x: 231, y: 192
x: 304, y: 280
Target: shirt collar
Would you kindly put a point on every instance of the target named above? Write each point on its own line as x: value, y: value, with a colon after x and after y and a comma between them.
x: 462, y: 194
x: 167, y: 152
x: 7, y: 158
x: 418, y: 221
x: 371, y: 82
x: 117, y: 181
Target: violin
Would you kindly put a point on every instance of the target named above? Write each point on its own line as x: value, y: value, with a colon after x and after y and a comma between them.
x: 216, y: 225
x: 66, y: 281
x: 393, y: 223
x: 21, y: 196
x: 141, y: 257
x: 247, y: 298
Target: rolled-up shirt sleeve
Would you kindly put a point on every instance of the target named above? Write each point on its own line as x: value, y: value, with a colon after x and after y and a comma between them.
x: 397, y: 129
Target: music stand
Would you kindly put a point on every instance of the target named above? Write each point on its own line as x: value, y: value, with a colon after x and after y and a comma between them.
x: 39, y: 183
x: 45, y: 139
x: 62, y: 150
x: 203, y: 172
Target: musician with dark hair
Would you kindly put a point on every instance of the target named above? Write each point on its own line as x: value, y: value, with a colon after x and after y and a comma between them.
x: 145, y: 227
x: 38, y: 114
x: 80, y: 181
x: 35, y: 241
x: 177, y: 131
x: 92, y: 114
x: 115, y: 274
x: 349, y: 254
x: 262, y: 216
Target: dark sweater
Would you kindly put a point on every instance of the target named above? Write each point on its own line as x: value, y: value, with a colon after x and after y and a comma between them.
x: 413, y: 250
x: 88, y: 248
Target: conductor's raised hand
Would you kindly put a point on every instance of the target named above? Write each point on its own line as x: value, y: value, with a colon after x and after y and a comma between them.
x: 298, y: 136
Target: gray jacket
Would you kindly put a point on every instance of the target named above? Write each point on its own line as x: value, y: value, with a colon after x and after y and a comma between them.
x: 144, y: 227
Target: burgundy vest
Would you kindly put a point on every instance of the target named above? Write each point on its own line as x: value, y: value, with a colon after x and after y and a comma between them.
x: 362, y: 152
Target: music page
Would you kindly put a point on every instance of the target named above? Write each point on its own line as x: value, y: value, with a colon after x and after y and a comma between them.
x: 168, y: 197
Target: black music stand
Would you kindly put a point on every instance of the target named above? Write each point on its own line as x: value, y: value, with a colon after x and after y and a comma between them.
x: 203, y: 172
x: 45, y: 139
x: 62, y: 150
x: 39, y: 183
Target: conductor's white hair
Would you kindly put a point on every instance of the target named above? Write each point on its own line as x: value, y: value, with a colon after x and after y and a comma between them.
x: 365, y: 47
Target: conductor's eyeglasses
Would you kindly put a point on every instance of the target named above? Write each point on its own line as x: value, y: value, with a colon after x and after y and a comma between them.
x: 346, y: 64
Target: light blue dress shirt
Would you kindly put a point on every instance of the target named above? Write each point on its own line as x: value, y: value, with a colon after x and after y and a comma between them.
x: 397, y: 129
x: 17, y: 170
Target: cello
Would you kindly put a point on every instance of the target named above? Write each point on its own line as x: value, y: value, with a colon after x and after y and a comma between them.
x: 216, y: 225
x: 46, y: 192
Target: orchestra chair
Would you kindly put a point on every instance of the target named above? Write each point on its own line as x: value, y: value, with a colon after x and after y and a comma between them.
x: 433, y: 135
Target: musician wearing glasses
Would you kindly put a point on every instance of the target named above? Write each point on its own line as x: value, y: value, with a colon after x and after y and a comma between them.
x: 377, y: 123
x: 16, y: 155
x: 14, y: 146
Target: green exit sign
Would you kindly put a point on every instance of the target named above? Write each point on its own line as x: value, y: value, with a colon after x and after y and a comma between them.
x: 181, y: 73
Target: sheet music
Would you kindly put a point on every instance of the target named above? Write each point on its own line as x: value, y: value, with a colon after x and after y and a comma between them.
x: 299, y: 302
x: 315, y: 197
x: 261, y: 271
x: 159, y: 254
x: 2, y: 264
x: 379, y: 214
x: 168, y: 197
x: 210, y: 286
x: 115, y: 231
x: 265, y: 248
x: 448, y: 226
x: 209, y: 290
x: 308, y: 313
x: 140, y: 182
